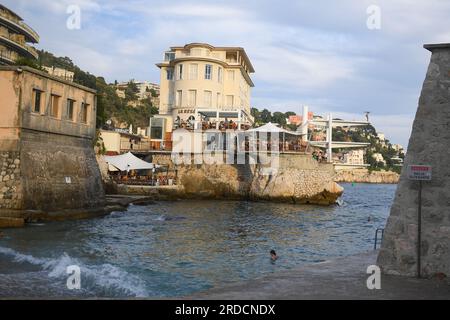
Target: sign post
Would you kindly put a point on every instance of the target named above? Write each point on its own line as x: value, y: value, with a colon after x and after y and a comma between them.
x: 419, y: 173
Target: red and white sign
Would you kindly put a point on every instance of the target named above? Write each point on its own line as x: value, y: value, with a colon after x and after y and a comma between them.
x: 419, y: 172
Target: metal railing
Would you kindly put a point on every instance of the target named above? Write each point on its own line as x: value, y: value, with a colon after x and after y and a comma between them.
x: 376, y: 237
x: 19, y: 24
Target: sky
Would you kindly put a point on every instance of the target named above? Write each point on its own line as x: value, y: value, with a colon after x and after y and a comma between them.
x: 317, y: 53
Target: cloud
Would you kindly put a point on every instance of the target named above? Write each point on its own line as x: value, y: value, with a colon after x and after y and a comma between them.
x: 318, y: 53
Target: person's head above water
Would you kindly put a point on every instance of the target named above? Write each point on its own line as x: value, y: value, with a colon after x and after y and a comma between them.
x: 273, y: 255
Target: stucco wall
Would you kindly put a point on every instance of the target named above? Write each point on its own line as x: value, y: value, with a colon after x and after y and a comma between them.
x: 39, y: 151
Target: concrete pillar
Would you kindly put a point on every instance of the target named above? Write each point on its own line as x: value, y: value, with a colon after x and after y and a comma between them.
x: 429, y: 144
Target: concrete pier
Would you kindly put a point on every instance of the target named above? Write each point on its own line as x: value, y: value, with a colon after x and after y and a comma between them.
x: 341, y: 278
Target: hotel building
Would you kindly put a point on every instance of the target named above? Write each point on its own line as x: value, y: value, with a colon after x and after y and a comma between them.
x: 200, y: 82
x: 14, y: 36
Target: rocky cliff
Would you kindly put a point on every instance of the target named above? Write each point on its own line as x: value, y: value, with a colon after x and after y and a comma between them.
x: 364, y: 176
x: 298, y: 179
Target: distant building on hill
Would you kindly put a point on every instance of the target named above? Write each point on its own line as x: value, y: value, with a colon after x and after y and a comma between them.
x: 146, y: 90
x: 60, y: 73
x: 378, y: 157
x: 354, y: 157
x: 297, y: 119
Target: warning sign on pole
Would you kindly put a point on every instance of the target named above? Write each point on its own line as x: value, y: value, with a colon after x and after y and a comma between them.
x: 419, y: 172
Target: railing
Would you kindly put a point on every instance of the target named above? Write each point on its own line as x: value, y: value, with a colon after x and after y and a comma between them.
x: 144, y: 146
x: 9, y: 55
x: 144, y: 181
x: 22, y: 45
x: 13, y: 20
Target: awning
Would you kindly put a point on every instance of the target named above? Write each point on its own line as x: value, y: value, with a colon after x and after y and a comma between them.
x: 128, y: 161
x: 271, y: 128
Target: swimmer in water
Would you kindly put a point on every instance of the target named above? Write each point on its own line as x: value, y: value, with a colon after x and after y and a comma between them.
x: 273, y: 255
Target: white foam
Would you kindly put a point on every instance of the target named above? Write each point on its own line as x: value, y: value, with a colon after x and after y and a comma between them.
x: 105, y: 276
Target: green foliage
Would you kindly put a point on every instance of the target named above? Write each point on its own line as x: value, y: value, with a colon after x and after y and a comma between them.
x: 131, y: 92
x: 265, y: 116
x: 21, y: 61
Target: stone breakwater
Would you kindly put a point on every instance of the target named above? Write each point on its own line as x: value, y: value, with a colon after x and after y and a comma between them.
x: 429, y: 144
x: 364, y: 176
x: 298, y: 179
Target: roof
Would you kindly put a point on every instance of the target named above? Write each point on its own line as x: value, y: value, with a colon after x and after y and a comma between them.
x: 11, y: 12
x: 46, y: 75
x: 206, y: 45
x: 272, y: 128
x: 433, y: 46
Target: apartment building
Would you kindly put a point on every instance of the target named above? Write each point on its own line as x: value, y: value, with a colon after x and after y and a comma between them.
x: 14, y: 38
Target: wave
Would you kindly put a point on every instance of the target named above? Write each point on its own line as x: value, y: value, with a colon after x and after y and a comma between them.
x: 104, y: 278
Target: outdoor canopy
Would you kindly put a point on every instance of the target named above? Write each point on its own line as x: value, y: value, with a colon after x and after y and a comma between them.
x: 128, y: 161
x: 271, y: 128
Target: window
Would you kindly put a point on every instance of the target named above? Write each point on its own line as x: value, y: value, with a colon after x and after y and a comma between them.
x: 54, y: 107
x: 84, y: 112
x: 208, y: 72
x: 193, y: 70
x: 37, y: 100
x: 70, y: 109
x: 169, y: 56
x: 180, y: 72
x: 192, y: 98
x: 169, y: 72
x: 230, y: 75
x: 179, y: 98
x: 207, y: 98
x: 230, y: 101
x: 219, y: 75
x: 218, y: 102
x: 156, y: 128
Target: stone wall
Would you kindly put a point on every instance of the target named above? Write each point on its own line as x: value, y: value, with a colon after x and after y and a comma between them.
x: 10, y: 186
x: 364, y: 176
x: 429, y: 144
x: 47, y: 160
x: 299, y: 179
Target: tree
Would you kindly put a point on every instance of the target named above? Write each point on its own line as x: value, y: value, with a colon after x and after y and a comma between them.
x: 265, y: 116
x: 279, y: 117
x: 131, y: 92
x: 21, y: 61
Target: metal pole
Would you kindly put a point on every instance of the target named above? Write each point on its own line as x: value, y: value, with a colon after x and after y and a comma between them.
x: 330, y: 138
x: 419, y: 230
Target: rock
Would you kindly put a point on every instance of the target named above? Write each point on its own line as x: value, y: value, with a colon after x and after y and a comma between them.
x: 6, y: 222
x: 364, y: 176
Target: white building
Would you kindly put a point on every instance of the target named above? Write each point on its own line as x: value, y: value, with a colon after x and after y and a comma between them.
x: 60, y: 73
x: 144, y: 88
x: 354, y: 157
x: 378, y: 157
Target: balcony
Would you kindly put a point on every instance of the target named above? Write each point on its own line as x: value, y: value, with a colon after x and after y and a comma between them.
x: 7, y: 56
x: 19, y: 45
x: 15, y: 24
